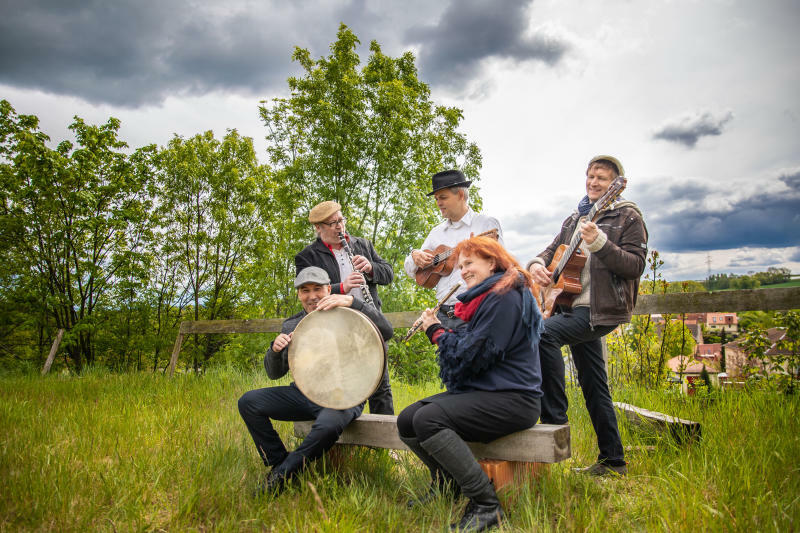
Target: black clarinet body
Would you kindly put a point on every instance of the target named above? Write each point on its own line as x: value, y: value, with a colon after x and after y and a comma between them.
x: 364, y: 287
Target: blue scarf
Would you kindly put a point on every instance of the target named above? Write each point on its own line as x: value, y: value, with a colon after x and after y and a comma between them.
x: 481, y: 287
x: 584, y: 206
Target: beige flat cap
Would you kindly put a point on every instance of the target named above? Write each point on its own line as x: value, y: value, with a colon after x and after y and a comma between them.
x: 611, y: 159
x: 323, y: 210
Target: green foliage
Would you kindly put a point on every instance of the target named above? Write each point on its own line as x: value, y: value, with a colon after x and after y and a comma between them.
x: 413, y: 361
x: 71, y: 217
x: 773, y: 276
x: 780, y: 368
x: 210, y: 195
x: 748, y: 320
x: 685, y: 286
x: 639, y: 350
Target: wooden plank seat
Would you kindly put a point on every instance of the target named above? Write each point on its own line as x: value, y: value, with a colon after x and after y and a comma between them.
x: 682, y: 430
x: 525, y: 451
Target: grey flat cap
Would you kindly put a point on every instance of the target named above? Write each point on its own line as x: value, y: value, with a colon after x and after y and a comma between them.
x: 311, y: 275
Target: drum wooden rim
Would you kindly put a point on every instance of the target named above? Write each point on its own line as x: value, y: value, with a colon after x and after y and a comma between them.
x: 337, y: 357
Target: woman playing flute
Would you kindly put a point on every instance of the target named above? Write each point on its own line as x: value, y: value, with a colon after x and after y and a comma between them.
x: 492, y: 374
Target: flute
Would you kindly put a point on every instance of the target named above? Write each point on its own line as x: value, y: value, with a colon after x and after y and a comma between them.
x: 364, y: 288
x: 418, y: 323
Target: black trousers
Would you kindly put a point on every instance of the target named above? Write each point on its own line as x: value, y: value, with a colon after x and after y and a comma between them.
x: 258, y: 407
x: 381, y: 401
x: 572, y: 328
x: 477, y: 416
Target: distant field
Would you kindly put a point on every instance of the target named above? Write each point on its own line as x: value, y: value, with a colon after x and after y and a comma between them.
x: 139, y: 452
x: 792, y: 283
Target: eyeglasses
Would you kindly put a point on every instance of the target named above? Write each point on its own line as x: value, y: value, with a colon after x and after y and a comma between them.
x: 335, y: 222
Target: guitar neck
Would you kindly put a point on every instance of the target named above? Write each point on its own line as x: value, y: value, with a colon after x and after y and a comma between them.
x: 574, y: 243
x: 442, y: 256
x: 603, y: 202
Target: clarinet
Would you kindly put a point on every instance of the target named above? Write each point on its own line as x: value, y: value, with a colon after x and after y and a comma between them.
x: 364, y: 288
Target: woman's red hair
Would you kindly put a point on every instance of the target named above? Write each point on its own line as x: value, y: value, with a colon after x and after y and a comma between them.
x: 489, y: 248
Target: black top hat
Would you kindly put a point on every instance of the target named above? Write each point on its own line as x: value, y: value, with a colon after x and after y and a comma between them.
x: 448, y: 178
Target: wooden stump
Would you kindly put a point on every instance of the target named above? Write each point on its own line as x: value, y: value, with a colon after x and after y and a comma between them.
x: 503, y: 473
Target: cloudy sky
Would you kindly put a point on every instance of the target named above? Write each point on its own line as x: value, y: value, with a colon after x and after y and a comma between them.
x: 694, y: 97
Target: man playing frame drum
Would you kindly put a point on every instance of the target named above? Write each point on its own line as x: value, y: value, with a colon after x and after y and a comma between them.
x: 259, y: 407
x: 492, y: 374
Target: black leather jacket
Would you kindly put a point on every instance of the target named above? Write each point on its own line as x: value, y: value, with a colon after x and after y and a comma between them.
x: 318, y: 255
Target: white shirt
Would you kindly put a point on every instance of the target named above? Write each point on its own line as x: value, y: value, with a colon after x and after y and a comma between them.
x: 345, y: 269
x: 451, y: 233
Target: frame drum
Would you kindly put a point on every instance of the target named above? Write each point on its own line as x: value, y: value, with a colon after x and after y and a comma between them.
x: 337, y: 357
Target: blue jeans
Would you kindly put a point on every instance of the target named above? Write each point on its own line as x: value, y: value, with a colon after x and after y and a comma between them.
x: 572, y: 328
x: 258, y: 407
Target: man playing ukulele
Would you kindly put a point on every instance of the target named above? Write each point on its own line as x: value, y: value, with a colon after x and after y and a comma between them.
x: 616, y: 246
x: 450, y: 190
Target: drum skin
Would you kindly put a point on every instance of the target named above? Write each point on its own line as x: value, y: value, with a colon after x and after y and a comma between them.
x: 336, y: 357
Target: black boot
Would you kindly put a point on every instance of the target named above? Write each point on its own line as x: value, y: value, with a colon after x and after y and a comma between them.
x: 454, y: 456
x: 441, y: 482
x: 483, y: 512
x: 281, y: 474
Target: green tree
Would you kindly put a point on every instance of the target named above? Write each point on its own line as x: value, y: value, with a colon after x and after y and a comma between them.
x: 210, y: 191
x: 73, y: 211
x: 370, y: 138
x: 789, y: 347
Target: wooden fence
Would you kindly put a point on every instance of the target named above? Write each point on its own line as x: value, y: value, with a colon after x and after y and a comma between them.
x: 647, y: 304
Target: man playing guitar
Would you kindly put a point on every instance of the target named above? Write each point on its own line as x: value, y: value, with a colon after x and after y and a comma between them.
x: 450, y: 190
x: 615, y: 246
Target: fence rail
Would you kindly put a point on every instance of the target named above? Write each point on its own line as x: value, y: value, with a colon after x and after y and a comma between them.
x: 779, y: 299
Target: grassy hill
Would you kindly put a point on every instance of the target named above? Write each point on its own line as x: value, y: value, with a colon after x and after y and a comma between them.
x: 142, y: 452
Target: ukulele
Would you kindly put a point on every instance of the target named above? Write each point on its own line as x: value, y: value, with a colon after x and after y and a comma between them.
x: 569, y: 260
x: 443, y: 263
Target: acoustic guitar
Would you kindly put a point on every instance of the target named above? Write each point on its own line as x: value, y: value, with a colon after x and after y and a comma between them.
x: 569, y: 260
x: 442, y: 263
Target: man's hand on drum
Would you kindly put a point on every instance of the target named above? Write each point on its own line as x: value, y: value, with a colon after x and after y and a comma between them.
x: 541, y: 275
x: 281, y: 342
x: 428, y: 319
x: 362, y: 264
x: 352, y: 281
x: 421, y: 258
x: 335, y: 300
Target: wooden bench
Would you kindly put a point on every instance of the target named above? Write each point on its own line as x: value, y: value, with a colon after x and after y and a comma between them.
x: 526, y: 451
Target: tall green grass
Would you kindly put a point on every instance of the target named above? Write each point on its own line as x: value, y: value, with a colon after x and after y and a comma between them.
x: 142, y: 452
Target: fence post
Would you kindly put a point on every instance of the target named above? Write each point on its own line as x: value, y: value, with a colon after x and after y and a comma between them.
x: 53, y: 349
x: 175, y: 351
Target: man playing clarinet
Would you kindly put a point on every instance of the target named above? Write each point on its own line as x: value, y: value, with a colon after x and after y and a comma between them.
x: 357, y: 276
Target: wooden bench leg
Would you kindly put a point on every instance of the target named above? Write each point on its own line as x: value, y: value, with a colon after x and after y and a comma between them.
x: 502, y: 473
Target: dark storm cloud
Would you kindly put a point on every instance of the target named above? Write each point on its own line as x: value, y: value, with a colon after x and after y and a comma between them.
x: 470, y: 31
x: 688, y: 129
x: 138, y: 52
x: 682, y: 217
x: 133, y: 53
